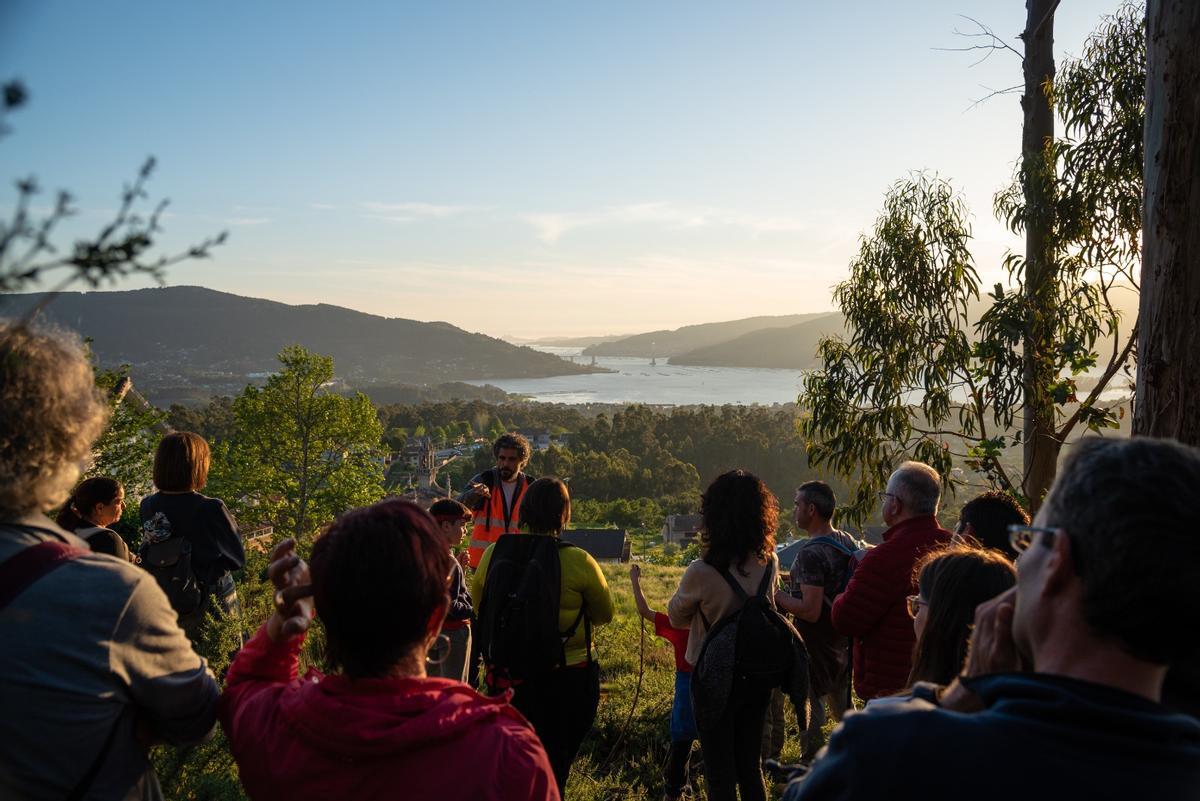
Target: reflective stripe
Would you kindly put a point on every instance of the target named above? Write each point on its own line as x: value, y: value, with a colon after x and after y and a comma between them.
x: 480, y: 544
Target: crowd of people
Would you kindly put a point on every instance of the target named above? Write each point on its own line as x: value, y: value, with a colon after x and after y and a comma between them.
x: 1032, y: 654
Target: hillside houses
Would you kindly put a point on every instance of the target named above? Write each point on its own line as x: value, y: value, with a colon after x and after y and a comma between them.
x: 681, y: 529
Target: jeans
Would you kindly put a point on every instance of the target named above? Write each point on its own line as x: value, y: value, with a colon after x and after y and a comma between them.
x: 454, y: 666
x: 675, y: 774
x: 731, y: 748
x: 838, y: 699
x: 561, y: 706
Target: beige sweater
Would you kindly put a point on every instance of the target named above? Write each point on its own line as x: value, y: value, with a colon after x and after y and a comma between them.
x: 703, y: 590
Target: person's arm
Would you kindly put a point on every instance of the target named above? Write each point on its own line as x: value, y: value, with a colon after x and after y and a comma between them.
x: 227, y: 539
x: 598, y: 599
x: 475, y: 492
x: 858, y: 610
x: 635, y: 578
x: 685, y: 603
x: 480, y: 578
x: 170, y: 685
x: 460, y: 598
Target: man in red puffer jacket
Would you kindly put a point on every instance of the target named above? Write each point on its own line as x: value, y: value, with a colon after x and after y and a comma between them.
x: 873, y: 610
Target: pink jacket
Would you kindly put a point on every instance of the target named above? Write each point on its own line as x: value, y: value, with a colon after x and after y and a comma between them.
x: 330, y: 737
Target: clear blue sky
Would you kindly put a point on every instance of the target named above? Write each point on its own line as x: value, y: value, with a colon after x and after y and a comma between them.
x: 519, y: 168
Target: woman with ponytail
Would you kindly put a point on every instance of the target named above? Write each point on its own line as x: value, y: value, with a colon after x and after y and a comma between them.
x: 95, y: 505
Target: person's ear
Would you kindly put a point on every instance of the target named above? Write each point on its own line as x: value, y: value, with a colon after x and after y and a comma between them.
x: 1059, y: 570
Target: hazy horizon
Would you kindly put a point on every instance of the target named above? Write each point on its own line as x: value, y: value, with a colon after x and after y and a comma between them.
x: 522, y: 171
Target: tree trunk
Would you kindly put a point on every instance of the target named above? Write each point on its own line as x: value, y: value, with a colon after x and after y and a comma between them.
x: 1167, y: 403
x: 1041, y: 446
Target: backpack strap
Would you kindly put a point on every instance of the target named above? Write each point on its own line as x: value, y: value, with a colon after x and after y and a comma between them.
x: 20, y: 571
x: 831, y: 541
x: 733, y: 585
x: 765, y: 584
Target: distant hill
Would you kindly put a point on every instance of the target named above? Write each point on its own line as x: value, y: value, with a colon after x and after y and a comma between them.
x: 571, y: 342
x: 691, y: 337
x: 183, y: 339
x: 792, y: 347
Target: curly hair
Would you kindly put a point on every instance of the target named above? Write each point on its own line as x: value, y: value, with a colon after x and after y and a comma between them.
x: 953, y: 581
x: 379, y: 574
x: 740, y: 517
x: 515, y: 441
x: 51, y: 413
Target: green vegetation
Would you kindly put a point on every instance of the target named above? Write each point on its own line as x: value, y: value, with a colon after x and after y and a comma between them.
x: 299, y: 454
x: 925, y: 375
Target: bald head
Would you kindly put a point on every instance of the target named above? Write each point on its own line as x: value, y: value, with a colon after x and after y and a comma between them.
x: 917, y: 487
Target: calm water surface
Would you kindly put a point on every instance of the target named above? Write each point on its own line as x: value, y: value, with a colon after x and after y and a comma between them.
x: 635, y: 380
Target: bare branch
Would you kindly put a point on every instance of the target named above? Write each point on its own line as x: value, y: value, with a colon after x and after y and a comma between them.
x: 992, y: 44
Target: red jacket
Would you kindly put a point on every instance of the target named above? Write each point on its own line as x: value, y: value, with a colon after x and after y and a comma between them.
x: 332, y: 737
x: 873, y: 612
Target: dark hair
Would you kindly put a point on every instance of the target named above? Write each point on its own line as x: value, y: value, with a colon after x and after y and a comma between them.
x: 87, y: 496
x: 181, y: 462
x: 740, y: 516
x: 515, y: 441
x: 546, y: 506
x: 378, y: 574
x: 1128, y: 507
x: 450, y: 509
x: 820, y: 495
x: 990, y: 514
x: 954, y: 580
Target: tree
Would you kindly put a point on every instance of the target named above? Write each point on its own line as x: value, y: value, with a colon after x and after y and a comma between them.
x: 933, y: 371
x: 1169, y: 344
x: 301, y: 454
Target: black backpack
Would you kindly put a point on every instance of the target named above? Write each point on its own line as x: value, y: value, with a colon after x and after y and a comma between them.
x: 755, y: 646
x: 518, y: 613
x: 168, y: 557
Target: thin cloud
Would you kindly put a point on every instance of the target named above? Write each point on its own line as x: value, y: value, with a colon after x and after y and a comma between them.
x: 552, y: 226
x: 247, y: 220
x: 322, y: 206
x: 409, y: 212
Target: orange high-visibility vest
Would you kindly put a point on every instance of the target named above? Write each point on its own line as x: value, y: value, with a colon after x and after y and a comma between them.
x: 493, y: 519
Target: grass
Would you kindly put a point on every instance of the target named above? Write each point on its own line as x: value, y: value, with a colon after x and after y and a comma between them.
x: 622, y: 758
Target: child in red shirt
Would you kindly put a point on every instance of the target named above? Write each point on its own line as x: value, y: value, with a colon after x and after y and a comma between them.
x: 683, y: 723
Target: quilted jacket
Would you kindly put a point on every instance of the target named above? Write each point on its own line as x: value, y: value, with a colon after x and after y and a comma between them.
x: 873, y: 612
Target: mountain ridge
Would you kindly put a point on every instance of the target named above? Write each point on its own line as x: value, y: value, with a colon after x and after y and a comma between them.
x: 191, y: 337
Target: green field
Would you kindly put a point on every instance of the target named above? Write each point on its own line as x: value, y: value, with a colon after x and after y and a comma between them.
x: 622, y: 758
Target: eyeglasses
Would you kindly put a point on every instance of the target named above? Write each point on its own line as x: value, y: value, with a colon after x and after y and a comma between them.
x: 1021, y: 537
x: 915, y: 602
x: 883, y: 496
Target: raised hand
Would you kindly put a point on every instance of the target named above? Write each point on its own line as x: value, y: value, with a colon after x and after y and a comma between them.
x: 293, y: 592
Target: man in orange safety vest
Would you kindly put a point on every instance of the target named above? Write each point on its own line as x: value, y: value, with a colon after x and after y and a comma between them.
x: 494, y: 496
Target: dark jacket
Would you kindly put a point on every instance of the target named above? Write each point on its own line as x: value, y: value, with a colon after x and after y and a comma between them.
x: 332, y: 737
x: 207, y: 525
x: 460, y: 597
x: 1039, y: 737
x: 873, y: 611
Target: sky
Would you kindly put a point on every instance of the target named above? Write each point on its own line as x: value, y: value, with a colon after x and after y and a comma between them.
x: 521, y: 169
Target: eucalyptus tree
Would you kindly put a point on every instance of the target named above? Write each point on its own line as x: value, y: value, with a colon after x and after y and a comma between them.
x: 936, y: 369
x: 1169, y: 349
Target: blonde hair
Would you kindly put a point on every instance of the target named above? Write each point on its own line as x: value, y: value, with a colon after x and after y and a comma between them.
x: 51, y: 413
